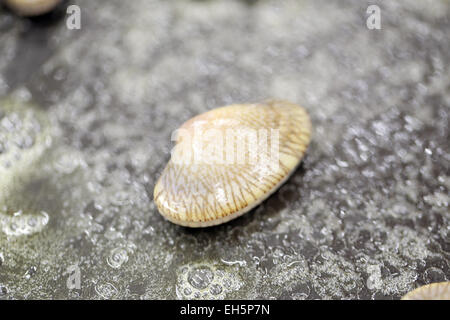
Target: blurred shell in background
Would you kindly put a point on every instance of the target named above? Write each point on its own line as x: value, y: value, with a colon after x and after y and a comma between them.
x: 32, y: 7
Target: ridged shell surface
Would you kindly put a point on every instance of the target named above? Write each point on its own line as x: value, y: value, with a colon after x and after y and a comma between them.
x: 433, y: 291
x: 228, y: 160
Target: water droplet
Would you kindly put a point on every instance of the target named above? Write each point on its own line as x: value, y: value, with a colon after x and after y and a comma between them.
x: 299, y: 296
x: 120, y: 198
x: 32, y: 222
x: 3, y: 290
x: 342, y: 164
x: 106, y: 290
x: 216, y: 289
x: 227, y: 283
x: 68, y: 162
x: 30, y: 272
x: 184, y: 270
x: 10, y: 123
x: 24, y: 142
x: 187, y: 291
x: 200, y: 277
x: 220, y: 273
x: 117, y: 257
x: 434, y: 275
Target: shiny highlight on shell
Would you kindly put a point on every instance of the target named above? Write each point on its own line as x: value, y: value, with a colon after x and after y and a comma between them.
x: 433, y: 291
x: 209, y: 190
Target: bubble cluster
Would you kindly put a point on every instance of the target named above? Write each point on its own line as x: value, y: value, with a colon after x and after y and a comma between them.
x: 207, y: 281
x: 200, y: 277
x: 23, y: 133
x: 23, y: 223
x: 106, y: 290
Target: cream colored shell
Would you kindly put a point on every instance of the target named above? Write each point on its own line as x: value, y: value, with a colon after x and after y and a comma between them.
x: 32, y: 7
x: 201, y: 193
x: 433, y: 291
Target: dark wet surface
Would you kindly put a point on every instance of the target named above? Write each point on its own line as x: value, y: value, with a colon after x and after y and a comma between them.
x: 365, y: 216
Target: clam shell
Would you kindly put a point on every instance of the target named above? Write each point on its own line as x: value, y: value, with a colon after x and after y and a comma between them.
x: 433, y: 291
x: 32, y: 7
x: 228, y: 160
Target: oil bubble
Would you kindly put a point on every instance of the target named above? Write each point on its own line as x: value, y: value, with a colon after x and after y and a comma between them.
x: 187, y: 291
x: 200, y: 277
x: 106, y: 290
x: 207, y: 280
x: 216, y: 289
x: 117, y: 257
